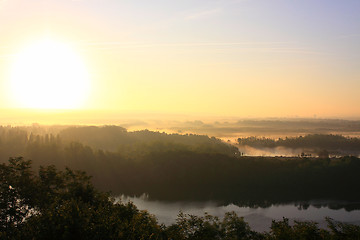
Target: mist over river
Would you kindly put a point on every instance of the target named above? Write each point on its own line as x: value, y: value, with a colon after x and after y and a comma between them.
x: 271, y: 152
x: 258, y: 218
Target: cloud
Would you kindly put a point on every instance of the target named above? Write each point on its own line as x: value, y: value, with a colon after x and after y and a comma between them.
x: 203, y: 14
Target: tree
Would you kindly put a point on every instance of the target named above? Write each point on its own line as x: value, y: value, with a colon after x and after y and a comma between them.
x: 64, y: 205
x: 16, y: 190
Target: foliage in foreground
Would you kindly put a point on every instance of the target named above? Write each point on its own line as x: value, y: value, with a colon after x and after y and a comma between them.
x: 64, y: 205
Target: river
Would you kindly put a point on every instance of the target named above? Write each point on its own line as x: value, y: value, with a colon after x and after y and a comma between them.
x: 259, y: 219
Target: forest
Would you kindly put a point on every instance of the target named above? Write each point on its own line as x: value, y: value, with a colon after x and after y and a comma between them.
x: 315, y: 143
x: 53, y: 204
x: 176, y: 167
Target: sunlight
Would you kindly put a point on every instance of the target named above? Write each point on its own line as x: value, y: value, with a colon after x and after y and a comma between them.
x: 49, y: 75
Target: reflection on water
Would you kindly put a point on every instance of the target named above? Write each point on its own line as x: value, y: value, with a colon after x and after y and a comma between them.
x: 258, y: 218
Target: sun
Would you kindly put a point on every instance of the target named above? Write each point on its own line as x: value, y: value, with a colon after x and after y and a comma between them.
x: 49, y: 75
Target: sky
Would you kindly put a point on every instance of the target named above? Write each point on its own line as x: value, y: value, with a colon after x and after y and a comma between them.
x: 238, y: 58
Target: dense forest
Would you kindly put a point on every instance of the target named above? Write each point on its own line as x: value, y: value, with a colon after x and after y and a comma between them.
x: 317, y: 143
x: 53, y: 204
x: 24, y: 141
x: 184, y: 167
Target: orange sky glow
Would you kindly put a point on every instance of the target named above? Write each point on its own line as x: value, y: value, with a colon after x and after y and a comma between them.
x: 205, y: 58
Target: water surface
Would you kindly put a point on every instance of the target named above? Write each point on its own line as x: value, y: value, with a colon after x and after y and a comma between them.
x: 259, y: 219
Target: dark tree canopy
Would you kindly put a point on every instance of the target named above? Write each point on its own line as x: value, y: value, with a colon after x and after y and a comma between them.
x: 55, y: 204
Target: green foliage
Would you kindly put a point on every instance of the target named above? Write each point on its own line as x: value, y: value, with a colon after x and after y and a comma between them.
x: 343, y: 231
x: 282, y: 230
x: 209, y: 227
x: 57, y: 204
x: 16, y: 189
x: 64, y: 205
x: 235, y: 227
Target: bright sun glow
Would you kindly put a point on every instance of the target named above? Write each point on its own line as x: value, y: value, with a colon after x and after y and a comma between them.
x: 49, y: 75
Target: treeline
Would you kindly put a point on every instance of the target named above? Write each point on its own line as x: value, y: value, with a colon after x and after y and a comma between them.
x: 311, y: 141
x: 266, y: 126
x: 115, y: 139
x: 186, y: 167
x: 249, y: 181
x: 53, y: 204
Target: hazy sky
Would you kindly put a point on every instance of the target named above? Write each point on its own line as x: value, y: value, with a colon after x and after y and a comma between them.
x: 258, y: 58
